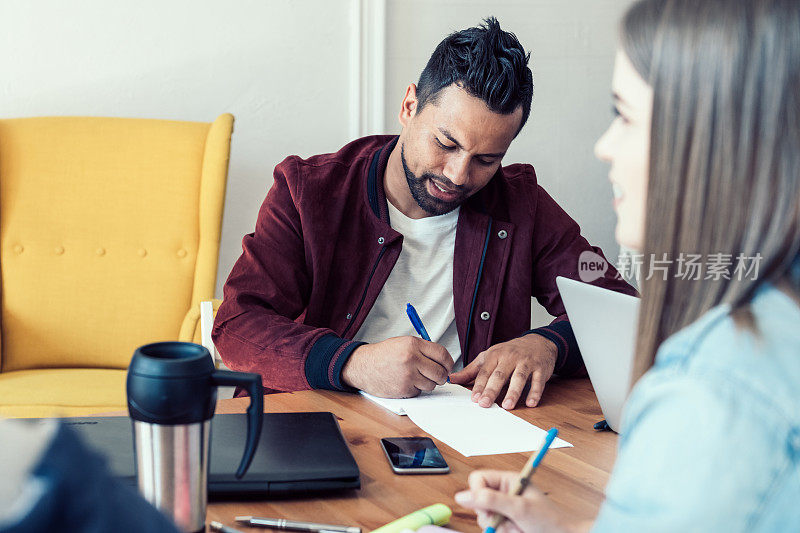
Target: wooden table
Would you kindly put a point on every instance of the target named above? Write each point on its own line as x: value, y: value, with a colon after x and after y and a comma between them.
x: 573, y: 477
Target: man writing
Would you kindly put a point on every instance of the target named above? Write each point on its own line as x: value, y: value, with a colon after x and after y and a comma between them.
x: 343, y: 241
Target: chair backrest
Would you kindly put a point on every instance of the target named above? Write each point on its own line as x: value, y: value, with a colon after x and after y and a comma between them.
x: 109, y: 233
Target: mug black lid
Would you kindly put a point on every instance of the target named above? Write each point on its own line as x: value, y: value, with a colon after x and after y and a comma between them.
x: 171, y: 360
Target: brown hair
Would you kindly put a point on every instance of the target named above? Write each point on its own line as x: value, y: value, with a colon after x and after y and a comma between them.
x: 725, y: 150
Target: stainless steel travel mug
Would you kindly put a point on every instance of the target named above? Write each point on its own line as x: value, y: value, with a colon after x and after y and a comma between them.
x: 172, y: 469
x: 172, y: 393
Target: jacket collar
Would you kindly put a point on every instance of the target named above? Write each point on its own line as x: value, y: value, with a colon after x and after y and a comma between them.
x: 376, y: 194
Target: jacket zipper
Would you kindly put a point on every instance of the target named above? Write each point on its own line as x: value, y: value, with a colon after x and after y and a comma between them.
x: 364, y: 294
x: 475, y: 292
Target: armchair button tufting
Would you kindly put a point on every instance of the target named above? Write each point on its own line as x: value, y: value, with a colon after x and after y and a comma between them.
x: 18, y: 248
x: 181, y: 253
x: 100, y: 251
x: 142, y: 252
x: 59, y: 250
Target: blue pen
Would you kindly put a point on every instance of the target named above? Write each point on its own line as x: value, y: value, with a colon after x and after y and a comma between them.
x: 416, y: 322
x: 525, y: 477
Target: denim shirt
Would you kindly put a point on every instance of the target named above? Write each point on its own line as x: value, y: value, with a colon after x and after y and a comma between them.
x: 710, y: 436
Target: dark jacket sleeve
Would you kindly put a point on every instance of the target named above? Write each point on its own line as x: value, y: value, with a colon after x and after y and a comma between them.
x: 557, y: 248
x: 257, y: 328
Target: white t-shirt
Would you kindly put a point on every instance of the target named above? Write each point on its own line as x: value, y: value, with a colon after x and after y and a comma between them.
x: 423, y: 277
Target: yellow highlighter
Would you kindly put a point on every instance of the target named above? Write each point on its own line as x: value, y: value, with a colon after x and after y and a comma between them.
x: 437, y: 515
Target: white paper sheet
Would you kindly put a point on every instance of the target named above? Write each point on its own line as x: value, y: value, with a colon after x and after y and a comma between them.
x: 476, y: 430
x: 449, y: 414
x: 444, y: 394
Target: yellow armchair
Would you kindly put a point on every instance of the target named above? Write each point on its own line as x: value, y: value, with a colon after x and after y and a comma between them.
x: 109, y: 239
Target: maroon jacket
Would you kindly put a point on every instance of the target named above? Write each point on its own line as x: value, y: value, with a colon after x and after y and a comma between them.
x: 323, y: 248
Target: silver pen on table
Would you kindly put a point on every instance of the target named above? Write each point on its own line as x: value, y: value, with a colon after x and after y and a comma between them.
x: 311, y: 527
x: 216, y: 526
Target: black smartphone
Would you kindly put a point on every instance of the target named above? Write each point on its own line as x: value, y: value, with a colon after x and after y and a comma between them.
x: 414, y: 455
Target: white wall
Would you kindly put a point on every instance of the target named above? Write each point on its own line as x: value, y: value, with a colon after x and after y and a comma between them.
x: 285, y: 69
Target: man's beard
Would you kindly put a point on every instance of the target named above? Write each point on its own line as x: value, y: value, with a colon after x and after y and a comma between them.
x: 418, y: 187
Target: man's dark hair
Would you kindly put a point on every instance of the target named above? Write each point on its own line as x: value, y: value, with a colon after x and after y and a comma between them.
x: 485, y: 61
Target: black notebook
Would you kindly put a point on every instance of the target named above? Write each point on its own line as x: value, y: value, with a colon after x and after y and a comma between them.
x: 297, y: 453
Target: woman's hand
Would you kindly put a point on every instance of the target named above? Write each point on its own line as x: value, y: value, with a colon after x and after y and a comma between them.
x: 532, y: 512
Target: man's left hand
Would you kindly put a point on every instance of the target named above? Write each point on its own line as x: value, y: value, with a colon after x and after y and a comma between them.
x: 528, y: 359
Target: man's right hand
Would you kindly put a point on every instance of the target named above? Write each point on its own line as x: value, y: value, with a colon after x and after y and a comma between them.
x: 400, y: 367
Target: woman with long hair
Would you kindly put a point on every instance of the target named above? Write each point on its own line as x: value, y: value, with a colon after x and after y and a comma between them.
x: 705, y: 162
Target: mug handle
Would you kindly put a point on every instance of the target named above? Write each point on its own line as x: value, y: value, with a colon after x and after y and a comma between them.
x: 255, y: 411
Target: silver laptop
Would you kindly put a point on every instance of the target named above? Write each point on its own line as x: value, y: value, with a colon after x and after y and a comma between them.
x: 604, y: 323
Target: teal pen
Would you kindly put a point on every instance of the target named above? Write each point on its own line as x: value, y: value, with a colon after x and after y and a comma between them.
x: 524, y: 477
